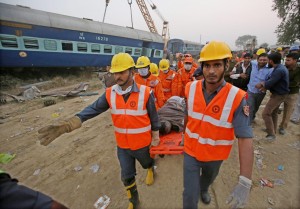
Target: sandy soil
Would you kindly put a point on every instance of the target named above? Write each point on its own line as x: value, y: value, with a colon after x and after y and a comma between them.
x: 94, y: 144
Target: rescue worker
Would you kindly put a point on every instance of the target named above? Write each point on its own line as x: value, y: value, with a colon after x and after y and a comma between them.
x: 170, y: 80
x: 194, y: 64
x: 216, y: 111
x: 179, y: 57
x: 144, y: 77
x: 15, y: 196
x: 154, y: 69
x: 186, y: 73
x: 130, y: 102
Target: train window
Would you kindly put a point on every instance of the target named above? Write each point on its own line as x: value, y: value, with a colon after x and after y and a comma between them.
x: 67, y: 46
x: 31, y: 43
x: 95, y: 48
x: 107, y: 49
x: 9, y: 42
x: 137, y: 52
x: 82, y: 47
x: 118, y: 49
x: 157, y: 53
x: 50, y: 45
x: 128, y: 50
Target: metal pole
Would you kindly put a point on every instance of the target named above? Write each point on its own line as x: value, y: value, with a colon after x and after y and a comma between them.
x: 130, y: 2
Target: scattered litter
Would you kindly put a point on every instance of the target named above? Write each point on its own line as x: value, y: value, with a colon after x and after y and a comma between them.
x: 275, y: 153
x: 6, y: 158
x: 37, y: 116
x: 78, y: 168
x: 295, y: 145
x: 155, y: 167
x: 37, y: 172
x: 78, y: 186
x: 271, y: 201
x: 280, y: 167
x: 17, y: 134
x: 61, y: 109
x: 265, y: 182
x: 102, y: 202
x: 85, y: 100
x: 75, y: 140
x: 55, y: 115
x: 278, y: 182
x: 95, y: 168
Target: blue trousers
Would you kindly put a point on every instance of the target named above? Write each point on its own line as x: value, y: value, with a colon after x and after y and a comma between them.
x: 127, y: 159
x: 254, y: 101
x: 195, y: 181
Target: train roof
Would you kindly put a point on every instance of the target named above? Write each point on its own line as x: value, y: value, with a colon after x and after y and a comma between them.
x: 185, y: 41
x: 27, y: 15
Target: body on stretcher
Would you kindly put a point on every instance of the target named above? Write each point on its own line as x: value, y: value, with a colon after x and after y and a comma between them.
x: 170, y: 144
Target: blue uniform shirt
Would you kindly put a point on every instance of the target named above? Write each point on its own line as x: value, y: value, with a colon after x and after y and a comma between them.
x: 241, y: 122
x: 258, y: 75
x: 101, y: 105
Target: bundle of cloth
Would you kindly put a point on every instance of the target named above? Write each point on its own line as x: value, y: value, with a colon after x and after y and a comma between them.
x: 171, y: 115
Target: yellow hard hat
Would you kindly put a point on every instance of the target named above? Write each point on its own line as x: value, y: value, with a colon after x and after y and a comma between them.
x: 154, y: 69
x: 215, y: 50
x: 121, y: 62
x: 279, y: 49
x: 164, y: 64
x: 260, y: 51
x: 142, y: 61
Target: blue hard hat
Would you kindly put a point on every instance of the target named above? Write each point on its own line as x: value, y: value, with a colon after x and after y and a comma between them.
x: 294, y: 48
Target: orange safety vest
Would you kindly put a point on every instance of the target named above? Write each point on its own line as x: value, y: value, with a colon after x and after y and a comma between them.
x: 209, y: 133
x: 186, y: 76
x: 154, y: 83
x: 171, y: 84
x: 131, y: 121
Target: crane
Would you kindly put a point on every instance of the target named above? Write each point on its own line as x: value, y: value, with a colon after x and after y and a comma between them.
x: 149, y: 21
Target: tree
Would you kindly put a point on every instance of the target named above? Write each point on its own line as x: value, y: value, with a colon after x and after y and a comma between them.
x: 288, y: 31
x: 246, y: 41
x: 264, y: 45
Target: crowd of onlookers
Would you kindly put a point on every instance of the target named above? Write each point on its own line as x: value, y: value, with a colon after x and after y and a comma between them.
x: 256, y: 72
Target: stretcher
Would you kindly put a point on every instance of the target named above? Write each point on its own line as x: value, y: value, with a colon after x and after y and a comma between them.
x: 169, y: 145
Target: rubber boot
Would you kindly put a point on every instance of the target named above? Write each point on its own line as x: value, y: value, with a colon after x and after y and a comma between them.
x: 132, y: 195
x: 150, y: 176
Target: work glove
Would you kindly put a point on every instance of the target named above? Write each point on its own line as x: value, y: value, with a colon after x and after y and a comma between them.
x: 240, y: 193
x: 155, y: 138
x: 51, y: 132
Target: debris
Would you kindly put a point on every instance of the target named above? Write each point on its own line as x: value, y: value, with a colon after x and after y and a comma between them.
x: 6, y: 158
x: 280, y: 167
x: 266, y: 182
x: 271, y: 201
x: 49, y: 102
x: 278, y: 182
x: 102, y: 202
x: 295, y: 145
x: 95, y: 168
x: 55, y: 115
x: 37, y: 172
x: 78, y: 168
x: 31, y: 93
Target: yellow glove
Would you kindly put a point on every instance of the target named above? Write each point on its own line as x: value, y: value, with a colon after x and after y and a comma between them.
x: 51, y: 132
x: 155, y: 138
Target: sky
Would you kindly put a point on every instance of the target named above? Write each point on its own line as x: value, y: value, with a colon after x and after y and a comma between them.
x: 193, y: 20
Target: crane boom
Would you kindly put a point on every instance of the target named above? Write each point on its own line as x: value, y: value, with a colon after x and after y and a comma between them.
x: 146, y: 15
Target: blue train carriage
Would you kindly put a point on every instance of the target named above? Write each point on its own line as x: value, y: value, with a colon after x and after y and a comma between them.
x: 34, y: 38
x: 186, y: 47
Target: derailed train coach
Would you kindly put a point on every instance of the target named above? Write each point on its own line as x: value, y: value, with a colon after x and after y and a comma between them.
x: 34, y: 38
x: 185, y: 47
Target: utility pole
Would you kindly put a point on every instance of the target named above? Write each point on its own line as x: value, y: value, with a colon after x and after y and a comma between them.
x: 107, y: 2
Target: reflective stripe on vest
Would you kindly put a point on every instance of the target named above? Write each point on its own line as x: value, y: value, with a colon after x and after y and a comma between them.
x: 207, y: 140
x: 133, y: 131
x: 225, y: 113
x: 139, y: 110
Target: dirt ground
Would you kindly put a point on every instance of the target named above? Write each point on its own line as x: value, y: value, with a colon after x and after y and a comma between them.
x: 94, y: 143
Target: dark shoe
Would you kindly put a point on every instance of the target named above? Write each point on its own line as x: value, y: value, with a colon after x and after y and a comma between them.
x: 264, y: 129
x: 205, y: 197
x: 281, y: 131
x: 270, y: 138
